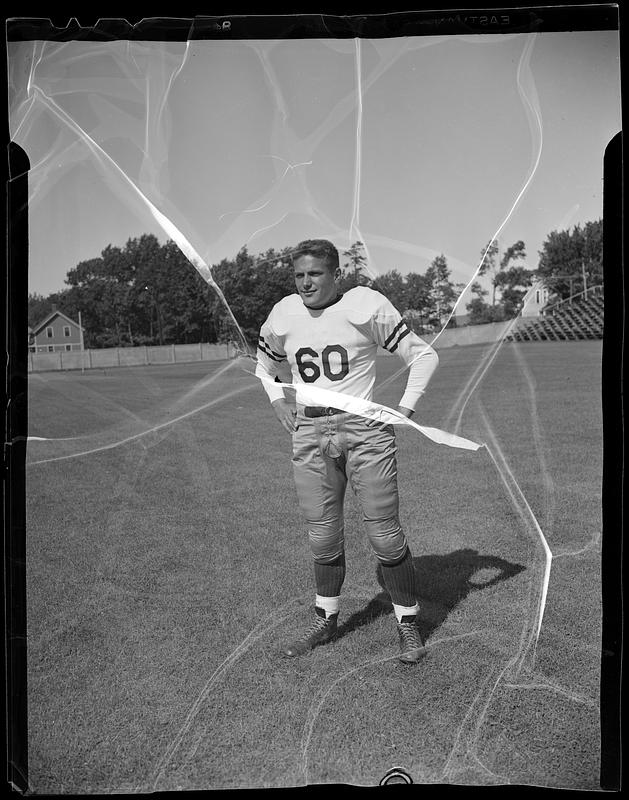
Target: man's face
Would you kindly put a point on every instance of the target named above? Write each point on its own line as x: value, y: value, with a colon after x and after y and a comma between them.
x: 315, y: 281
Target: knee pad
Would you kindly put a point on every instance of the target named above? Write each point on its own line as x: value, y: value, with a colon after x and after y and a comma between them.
x: 387, y: 539
x: 327, y: 541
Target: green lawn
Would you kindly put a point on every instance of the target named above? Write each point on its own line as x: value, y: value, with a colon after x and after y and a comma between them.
x: 165, y: 572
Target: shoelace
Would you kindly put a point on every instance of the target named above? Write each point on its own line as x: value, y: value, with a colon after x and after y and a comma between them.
x: 409, y: 635
x: 318, y: 624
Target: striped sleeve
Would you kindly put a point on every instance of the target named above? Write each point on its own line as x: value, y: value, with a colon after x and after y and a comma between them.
x: 399, y: 332
x: 392, y: 333
x: 271, y: 361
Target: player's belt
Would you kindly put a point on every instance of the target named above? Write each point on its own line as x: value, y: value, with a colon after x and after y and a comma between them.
x: 321, y: 411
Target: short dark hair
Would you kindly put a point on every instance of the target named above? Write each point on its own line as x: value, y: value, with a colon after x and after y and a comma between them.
x: 319, y: 248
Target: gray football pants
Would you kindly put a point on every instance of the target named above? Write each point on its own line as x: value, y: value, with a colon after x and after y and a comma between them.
x: 327, y: 452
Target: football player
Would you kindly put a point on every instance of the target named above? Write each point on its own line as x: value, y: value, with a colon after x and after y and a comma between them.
x: 330, y: 339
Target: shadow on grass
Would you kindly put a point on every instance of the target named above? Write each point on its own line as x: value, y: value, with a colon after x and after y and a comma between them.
x: 443, y: 581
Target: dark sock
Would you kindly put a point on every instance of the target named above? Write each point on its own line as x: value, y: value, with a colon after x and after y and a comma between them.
x: 329, y: 577
x: 400, y: 580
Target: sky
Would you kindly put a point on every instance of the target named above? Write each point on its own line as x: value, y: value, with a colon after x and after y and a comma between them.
x: 417, y: 146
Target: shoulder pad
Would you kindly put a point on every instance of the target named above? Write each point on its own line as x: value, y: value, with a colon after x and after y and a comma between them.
x: 364, y: 300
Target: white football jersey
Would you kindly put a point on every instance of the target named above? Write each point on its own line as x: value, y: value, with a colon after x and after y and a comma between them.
x: 335, y: 347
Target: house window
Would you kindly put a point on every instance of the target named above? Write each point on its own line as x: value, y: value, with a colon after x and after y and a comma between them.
x: 537, y: 297
x: 66, y: 330
x: 51, y: 348
x: 33, y: 349
x: 49, y: 333
x: 68, y: 347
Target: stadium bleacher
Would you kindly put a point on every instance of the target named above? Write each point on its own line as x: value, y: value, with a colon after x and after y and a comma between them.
x: 578, y: 317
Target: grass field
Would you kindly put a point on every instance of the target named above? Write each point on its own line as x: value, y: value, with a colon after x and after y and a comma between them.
x: 167, y: 562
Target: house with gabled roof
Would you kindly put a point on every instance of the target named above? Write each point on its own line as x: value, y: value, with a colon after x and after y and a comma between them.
x: 536, y: 299
x: 54, y: 333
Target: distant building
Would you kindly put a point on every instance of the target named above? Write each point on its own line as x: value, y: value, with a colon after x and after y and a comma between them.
x: 537, y: 299
x: 56, y: 332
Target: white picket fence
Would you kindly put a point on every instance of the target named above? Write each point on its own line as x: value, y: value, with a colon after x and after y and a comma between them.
x: 182, y: 353
x: 128, y: 356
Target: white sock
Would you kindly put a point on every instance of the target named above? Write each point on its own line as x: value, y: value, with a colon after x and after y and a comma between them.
x: 329, y: 604
x: 405, y: 611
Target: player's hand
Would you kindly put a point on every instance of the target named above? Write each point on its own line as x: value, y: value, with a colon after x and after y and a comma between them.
x: 286, y: 414
x: 376, y: 423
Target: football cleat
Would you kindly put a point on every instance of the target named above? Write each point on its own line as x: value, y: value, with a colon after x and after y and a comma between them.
x: 411, y: 645
x: 321, y: 630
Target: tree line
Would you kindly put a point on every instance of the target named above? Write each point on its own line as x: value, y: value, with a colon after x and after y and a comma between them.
x: 148, y: 293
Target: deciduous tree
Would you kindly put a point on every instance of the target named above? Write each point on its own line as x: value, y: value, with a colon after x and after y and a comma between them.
x: 441, y: 291
x: 393, y: 286
x: 570, y: 259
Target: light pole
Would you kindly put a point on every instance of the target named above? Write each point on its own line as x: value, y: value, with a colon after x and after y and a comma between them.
x: 585, y: 280
x: 82, y: 343
x: 157, y: 313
